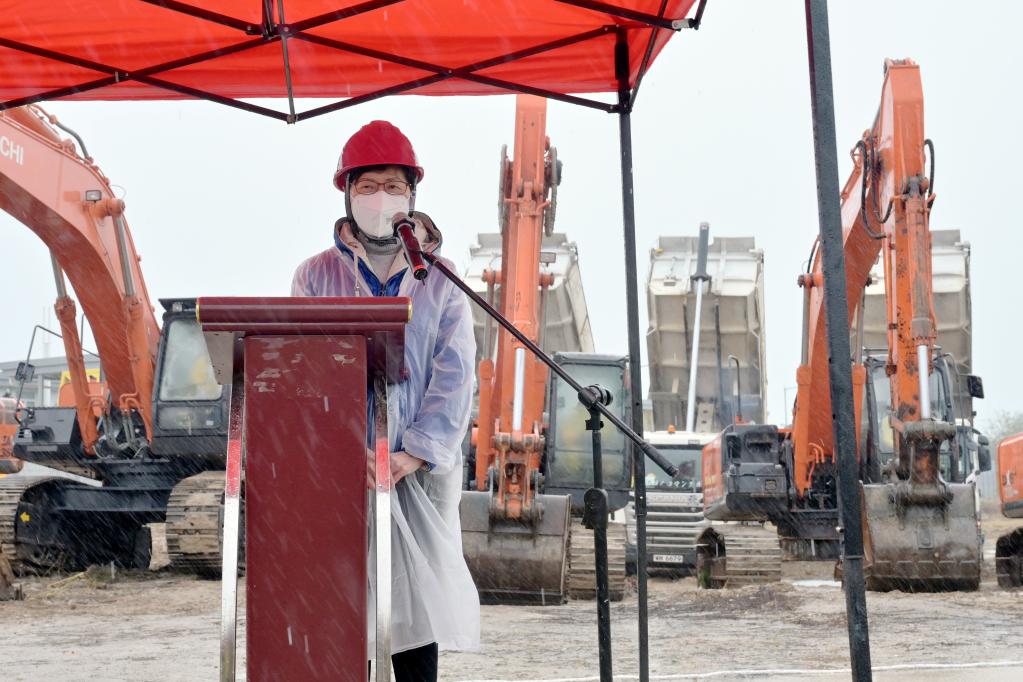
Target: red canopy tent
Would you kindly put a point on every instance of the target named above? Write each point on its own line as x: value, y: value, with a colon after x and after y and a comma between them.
x: 231, y: 49
x: 352, y: 52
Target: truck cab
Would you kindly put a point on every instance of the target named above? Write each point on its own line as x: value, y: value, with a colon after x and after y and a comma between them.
x: 674, y: 506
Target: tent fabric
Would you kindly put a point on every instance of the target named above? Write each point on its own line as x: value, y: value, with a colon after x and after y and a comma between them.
x: 160, y: 49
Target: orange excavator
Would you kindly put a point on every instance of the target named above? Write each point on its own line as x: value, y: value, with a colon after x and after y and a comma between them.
x: 529, y: 458
x: 159, y: 429
x: 921, y: 522
x: 1009, y: 547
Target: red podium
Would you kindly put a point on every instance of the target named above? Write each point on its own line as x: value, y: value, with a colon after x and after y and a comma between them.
x: 302, y: 371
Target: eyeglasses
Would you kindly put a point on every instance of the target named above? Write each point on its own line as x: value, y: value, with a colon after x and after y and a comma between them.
x: 367, y: 186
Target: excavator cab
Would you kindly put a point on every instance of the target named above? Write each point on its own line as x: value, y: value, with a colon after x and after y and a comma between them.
x: 190, y: 423
x: 190, y: 407
x: 569, y: 465
x: 963, y: 456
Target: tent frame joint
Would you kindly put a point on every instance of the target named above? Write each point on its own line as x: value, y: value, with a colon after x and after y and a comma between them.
x: 650, y: 20
x: 694, y: 23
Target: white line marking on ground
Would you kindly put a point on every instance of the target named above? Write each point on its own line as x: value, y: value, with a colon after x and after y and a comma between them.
x: 778, y: 671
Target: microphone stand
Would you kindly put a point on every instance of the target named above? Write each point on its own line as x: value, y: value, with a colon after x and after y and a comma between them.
x: 596, y: 400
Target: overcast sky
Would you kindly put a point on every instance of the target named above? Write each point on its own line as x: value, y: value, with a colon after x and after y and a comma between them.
x: 225, y: 202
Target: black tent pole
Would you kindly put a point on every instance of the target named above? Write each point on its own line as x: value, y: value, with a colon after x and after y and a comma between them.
x: 836, y: 310
x: 635, y: 374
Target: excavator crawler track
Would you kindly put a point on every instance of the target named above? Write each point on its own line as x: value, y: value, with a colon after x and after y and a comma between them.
x: 736, y: 555
x: 194, y: 514
x: 19, y: 559
x: 10, y: 495
x: 582, y: 571
x: 1009, y: 559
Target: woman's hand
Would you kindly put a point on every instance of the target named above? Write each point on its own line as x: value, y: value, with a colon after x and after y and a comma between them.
x: 402, y: 464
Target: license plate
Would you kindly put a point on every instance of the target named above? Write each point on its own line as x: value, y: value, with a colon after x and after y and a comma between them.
x: 669, y: 559
x: 675, y: 499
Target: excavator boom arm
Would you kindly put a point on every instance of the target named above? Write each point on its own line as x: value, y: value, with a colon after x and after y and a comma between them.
x: 891, y: 154
x: 514, y: 538
x: 65, y: 200
x: 512, y: 402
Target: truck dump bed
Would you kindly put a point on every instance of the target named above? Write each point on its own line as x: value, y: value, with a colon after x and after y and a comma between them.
x: 732, y: 324
x: 950, y: 264
x: 567, y: 326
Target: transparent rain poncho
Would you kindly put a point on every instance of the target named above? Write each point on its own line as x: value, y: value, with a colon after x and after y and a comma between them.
x: 433, y: 595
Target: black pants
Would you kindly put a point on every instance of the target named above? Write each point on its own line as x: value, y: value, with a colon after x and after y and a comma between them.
x: 416, y: 665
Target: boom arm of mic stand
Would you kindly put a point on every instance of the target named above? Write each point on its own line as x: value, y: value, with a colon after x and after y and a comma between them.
x: 648, y: 449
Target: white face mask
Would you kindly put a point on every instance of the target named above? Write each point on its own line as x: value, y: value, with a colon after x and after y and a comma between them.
x: 373, y: 213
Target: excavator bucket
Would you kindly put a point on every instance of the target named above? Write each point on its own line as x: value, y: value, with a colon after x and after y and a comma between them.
x: 517, y: 561
x: 917, y: 544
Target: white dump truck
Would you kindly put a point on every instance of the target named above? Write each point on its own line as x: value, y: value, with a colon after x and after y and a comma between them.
x: 731, y: 325
x: 730, y: 382
x: 567, y: 322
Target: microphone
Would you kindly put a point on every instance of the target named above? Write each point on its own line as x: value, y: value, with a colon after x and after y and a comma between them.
x: 404, y: 230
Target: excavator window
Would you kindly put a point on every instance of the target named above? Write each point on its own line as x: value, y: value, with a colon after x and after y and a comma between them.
x: 942, y: 407
x: 883, y: 413
x: 573, y: 462
x: 187, y: 370
x: 883, y: 406
x: 571, y: 457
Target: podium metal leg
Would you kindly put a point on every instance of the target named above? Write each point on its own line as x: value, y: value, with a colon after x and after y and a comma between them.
x: 382, y: 531
x: 229, y: 551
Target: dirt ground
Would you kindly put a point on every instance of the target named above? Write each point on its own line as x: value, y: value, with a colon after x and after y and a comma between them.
x: 161, y: 626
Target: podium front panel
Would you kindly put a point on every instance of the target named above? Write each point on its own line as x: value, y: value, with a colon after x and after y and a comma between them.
x: 305, y: 507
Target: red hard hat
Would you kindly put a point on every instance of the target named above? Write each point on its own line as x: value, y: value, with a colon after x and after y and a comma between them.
x: 378, y: 143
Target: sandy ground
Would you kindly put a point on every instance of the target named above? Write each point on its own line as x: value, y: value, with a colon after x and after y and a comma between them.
x: 160, y: 626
